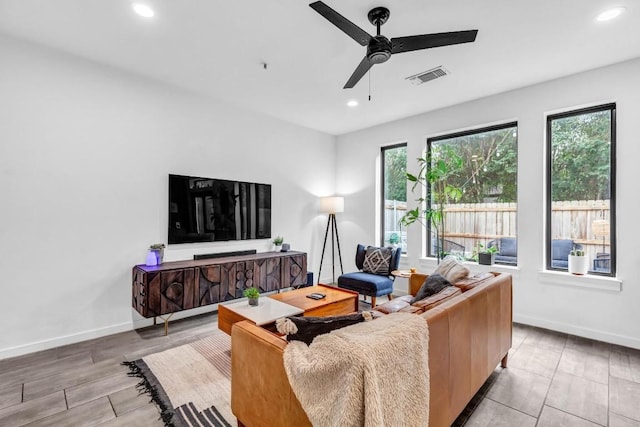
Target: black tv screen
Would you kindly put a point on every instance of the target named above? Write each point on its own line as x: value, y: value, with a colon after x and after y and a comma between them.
x: 213, y: 210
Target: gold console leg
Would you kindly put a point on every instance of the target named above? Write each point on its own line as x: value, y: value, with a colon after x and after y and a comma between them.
x: 166, y: 323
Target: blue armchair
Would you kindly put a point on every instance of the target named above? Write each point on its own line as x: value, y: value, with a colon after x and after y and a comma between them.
x: 373, y: 285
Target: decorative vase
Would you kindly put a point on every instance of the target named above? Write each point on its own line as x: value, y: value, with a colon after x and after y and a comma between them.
x: 253, y: 301
x: 151, y: 259
x: 285, y: 247
x: 578, y: 264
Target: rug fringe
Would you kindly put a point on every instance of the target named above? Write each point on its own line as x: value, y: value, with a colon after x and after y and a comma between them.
x: 144, y: 386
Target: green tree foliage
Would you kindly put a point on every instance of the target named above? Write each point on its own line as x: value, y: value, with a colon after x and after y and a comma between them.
x: 580, y: 157
x: 489, y: 165
x: 395, y: 169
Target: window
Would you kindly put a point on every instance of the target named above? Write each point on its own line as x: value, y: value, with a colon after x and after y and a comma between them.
x: 581, y: 188
x: 394, y: 195
x: 481, y: 166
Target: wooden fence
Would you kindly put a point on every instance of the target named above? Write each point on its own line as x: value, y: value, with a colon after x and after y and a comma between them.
x: 470, y: 223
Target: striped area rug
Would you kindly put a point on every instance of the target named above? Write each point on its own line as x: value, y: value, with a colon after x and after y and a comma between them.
x: 191, y: 384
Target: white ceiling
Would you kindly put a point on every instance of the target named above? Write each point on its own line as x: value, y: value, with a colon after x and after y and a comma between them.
x: 217, y: 48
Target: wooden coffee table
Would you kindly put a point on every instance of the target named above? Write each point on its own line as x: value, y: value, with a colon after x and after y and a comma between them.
x: 336, y: 302
x: 265, y: 313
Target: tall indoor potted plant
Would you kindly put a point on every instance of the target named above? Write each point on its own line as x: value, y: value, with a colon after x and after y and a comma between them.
x: 436, y: 168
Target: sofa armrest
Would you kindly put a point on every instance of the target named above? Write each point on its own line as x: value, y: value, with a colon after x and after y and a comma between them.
x: 468, y: 336
x: 260, y: 390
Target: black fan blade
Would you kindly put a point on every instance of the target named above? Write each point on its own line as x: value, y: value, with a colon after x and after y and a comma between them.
x: 426, y: 41
x: 351, y: 29
x: 360, y: 71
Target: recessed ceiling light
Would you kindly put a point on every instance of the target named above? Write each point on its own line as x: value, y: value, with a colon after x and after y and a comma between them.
x: 352, y: 103
x: 609, y: 14
x: 143, y: 10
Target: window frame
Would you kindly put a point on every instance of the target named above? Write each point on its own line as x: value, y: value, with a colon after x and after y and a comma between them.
x: 612, y: 185
x: 384, y: 149
x: 459, y: 134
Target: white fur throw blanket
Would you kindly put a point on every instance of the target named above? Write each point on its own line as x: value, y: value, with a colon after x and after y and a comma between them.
x: 369, y: 374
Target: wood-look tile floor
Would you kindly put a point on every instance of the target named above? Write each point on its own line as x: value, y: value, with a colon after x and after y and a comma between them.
x: 553, y: 379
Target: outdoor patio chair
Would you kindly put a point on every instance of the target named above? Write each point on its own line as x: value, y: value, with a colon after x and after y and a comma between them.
x: 602, y: 263
x: 450, y: 247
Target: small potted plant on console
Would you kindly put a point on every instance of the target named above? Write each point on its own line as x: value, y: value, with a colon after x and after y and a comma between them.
x: 252, y: 294
x: 277, y: 241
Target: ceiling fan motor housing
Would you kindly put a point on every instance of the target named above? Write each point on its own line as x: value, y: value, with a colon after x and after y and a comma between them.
x: 379, y: 49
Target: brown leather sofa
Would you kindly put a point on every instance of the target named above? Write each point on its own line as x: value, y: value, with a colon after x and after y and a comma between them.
x: 468, y: 336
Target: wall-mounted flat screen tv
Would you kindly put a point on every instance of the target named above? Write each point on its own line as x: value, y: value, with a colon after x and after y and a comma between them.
x: 213, y: 210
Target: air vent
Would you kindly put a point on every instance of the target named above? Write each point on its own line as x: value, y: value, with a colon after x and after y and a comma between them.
x: 428, y: 75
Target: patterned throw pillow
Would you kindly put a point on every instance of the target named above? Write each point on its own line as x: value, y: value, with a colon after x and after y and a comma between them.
x: 377, y: 260
x: 452, y: 270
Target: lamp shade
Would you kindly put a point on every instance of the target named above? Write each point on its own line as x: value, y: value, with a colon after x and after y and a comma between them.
x: 332, y: 205
x: 600, y: 228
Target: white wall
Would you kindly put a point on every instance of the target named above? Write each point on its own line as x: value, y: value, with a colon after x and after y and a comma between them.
x: 599, y: 309
x: 85, y: 151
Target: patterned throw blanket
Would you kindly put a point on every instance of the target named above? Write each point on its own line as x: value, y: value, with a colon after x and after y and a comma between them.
x: 369, y: 374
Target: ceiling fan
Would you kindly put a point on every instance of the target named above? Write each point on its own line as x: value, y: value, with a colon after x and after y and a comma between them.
x: 380, y: 48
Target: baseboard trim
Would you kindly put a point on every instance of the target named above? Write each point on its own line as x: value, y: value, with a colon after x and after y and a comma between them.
x: 593, y: 334
x: 135, y: 323
x: 47, y: 344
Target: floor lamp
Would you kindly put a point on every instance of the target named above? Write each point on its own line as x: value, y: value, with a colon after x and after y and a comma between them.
x: 331, y: 206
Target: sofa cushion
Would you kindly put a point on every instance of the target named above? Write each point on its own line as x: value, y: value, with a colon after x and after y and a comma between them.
x: 395, y: 305
x: 377, y: 260
x: 508, y: 246
x: 437, y: 299
x: 560, y: 249
x: 471, y: 282
x: 432, y: 285
x: 506, y: 259
x: 305, y: 329
x: 366, y: 283
x: 451, y: 269
x: 412, y: 309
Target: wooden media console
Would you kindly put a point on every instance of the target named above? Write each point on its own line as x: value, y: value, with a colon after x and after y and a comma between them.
x: 182, y: 285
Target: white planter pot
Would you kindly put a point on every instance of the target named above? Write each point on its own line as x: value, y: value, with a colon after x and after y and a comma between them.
x: 578, y: 265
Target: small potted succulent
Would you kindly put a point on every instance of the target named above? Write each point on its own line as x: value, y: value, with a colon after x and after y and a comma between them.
x: 253, y: 294
x: 578, y: 262
x: 485, y: 256
x: 277, y: 241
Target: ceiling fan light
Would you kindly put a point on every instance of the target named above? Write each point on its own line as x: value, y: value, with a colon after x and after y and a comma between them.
x: 610, y: 14
x: 352, y: 103
x: 143, y: 10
